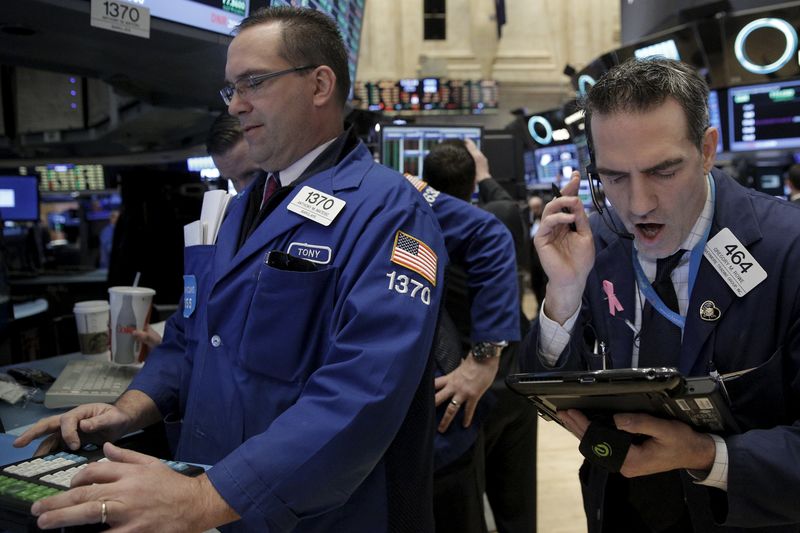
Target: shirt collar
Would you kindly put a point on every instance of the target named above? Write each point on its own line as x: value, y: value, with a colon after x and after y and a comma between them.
x: 296, y: 169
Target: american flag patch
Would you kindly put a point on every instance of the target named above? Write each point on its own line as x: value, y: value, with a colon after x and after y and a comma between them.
x: 416, y: 182
x: 415, y: 255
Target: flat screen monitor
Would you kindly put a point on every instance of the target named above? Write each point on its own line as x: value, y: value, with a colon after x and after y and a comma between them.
x: 220, y: 16
x: 554, y: 164
x: 348, y: 15
x: 19, y: 198
x: 764, y: 117
x: 404, y: 148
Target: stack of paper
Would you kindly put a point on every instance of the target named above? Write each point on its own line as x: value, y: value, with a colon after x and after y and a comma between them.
x: 204, y: 231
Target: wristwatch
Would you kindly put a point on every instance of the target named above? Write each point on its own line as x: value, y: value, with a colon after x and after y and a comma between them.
x: 482, y: 351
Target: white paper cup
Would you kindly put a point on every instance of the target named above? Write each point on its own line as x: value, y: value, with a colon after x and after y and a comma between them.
x: 91, y: 317
x: 130, y: 310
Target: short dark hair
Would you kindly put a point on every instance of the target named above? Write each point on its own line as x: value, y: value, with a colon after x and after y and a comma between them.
x: 642, y: 84
x: 310, y: 37
x: 793, y: 175
x: 449, y: 167
x: 225, y: 133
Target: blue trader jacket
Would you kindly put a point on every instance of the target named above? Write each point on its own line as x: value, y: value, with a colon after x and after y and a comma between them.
x: 753, y: 340
x: 482, y: 246
x: 295, y: 385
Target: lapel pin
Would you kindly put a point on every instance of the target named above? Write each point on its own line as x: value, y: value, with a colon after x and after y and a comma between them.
x: 614, y: 304
x: 709, y: 311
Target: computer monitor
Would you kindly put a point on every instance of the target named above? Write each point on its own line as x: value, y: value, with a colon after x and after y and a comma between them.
x: 554, y: 164
x: 404, y: 148
x: 19, y: 198
x: 764, y: 117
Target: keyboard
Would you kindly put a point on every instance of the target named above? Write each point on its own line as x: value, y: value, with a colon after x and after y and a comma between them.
x: 89, y: 381
x: 29, y: 480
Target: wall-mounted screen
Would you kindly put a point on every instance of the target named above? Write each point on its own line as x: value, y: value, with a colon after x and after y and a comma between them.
x: 404, y: 148
x: 19, y: 198
x: 220, y: 16
x: 763, y: 117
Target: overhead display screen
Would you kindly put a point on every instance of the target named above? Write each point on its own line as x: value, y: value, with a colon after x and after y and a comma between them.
x: 220, y: 16
x: 764, y: 116
x: 404, y: 147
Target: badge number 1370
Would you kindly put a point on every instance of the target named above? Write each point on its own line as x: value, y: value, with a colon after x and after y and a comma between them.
x: 402, y: 284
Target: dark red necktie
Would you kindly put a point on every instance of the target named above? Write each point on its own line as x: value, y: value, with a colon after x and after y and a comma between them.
x: 272, y: 185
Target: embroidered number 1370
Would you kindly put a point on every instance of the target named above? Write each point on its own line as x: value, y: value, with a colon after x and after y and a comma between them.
x: 402, y: 284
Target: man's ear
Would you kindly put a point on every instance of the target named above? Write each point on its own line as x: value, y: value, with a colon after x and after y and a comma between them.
x: 324, y: 85
x: 709, y: 148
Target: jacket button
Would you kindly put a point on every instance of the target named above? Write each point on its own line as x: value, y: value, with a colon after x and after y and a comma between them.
x: 216, y: 341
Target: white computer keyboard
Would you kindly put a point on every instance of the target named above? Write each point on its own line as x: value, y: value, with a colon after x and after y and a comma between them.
x: 89, y: 381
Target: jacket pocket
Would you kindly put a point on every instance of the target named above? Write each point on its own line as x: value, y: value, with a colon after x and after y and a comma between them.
x: 287, y: 328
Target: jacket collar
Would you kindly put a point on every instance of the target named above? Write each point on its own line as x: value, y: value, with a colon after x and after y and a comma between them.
x: 347, y: 173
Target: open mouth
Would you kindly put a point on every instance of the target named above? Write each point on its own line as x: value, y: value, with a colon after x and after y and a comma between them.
x: 649, y: 231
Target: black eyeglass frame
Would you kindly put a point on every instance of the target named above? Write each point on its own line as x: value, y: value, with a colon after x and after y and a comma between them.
x: 254, y: 81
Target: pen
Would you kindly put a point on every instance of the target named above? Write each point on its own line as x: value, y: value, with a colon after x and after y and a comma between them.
x: 557, y: 194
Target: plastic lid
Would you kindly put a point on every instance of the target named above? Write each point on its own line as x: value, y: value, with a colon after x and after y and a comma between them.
x: 91, y: 306
x: 132, y: 290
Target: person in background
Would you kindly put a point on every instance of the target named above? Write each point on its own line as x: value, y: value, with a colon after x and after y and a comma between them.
x: 301, y: 371
x: 614, y: 283
x: 793, y: 183
x: 229, y: 151
x: 107, y: 239
x: 501, y: 460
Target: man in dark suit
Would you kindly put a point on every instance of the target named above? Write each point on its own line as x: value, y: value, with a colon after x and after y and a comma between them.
x: 793, y: 182
x: 654, y: 152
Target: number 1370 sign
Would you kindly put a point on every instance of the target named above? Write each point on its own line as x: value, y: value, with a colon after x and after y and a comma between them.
x: 121, y: 16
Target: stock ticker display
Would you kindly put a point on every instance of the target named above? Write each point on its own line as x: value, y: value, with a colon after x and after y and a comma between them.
x: 427, y: 94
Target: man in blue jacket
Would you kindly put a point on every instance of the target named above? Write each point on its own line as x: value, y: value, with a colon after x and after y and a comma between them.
x: 301, y: 371
x: 733, y: 310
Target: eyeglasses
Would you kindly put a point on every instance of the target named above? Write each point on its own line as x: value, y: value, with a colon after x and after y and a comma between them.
x: 244, y: 85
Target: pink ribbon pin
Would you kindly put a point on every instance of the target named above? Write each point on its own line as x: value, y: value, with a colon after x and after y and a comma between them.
x: 613, y: 301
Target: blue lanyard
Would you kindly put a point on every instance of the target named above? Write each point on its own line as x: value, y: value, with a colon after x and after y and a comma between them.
x: 694, y: 266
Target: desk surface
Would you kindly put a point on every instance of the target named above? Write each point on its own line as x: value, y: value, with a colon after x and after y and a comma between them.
x: 15, y: 417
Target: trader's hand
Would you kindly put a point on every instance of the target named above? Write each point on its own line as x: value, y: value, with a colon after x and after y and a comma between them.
x: 93, y: 422
x: 481, y: 163
x: 140, y: 494
x: 148, y: 336
x: 672, y: 444
x: 566, y: 256
x: 464, y: 386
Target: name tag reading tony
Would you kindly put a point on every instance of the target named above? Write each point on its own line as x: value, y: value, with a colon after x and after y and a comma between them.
x: 734, y: 263
x: 315, y: 205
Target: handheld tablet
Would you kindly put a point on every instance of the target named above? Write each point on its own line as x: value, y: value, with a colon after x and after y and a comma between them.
x: 662, y: 392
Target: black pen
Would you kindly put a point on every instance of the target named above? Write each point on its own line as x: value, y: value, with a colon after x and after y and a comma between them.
x: 557, y: 194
